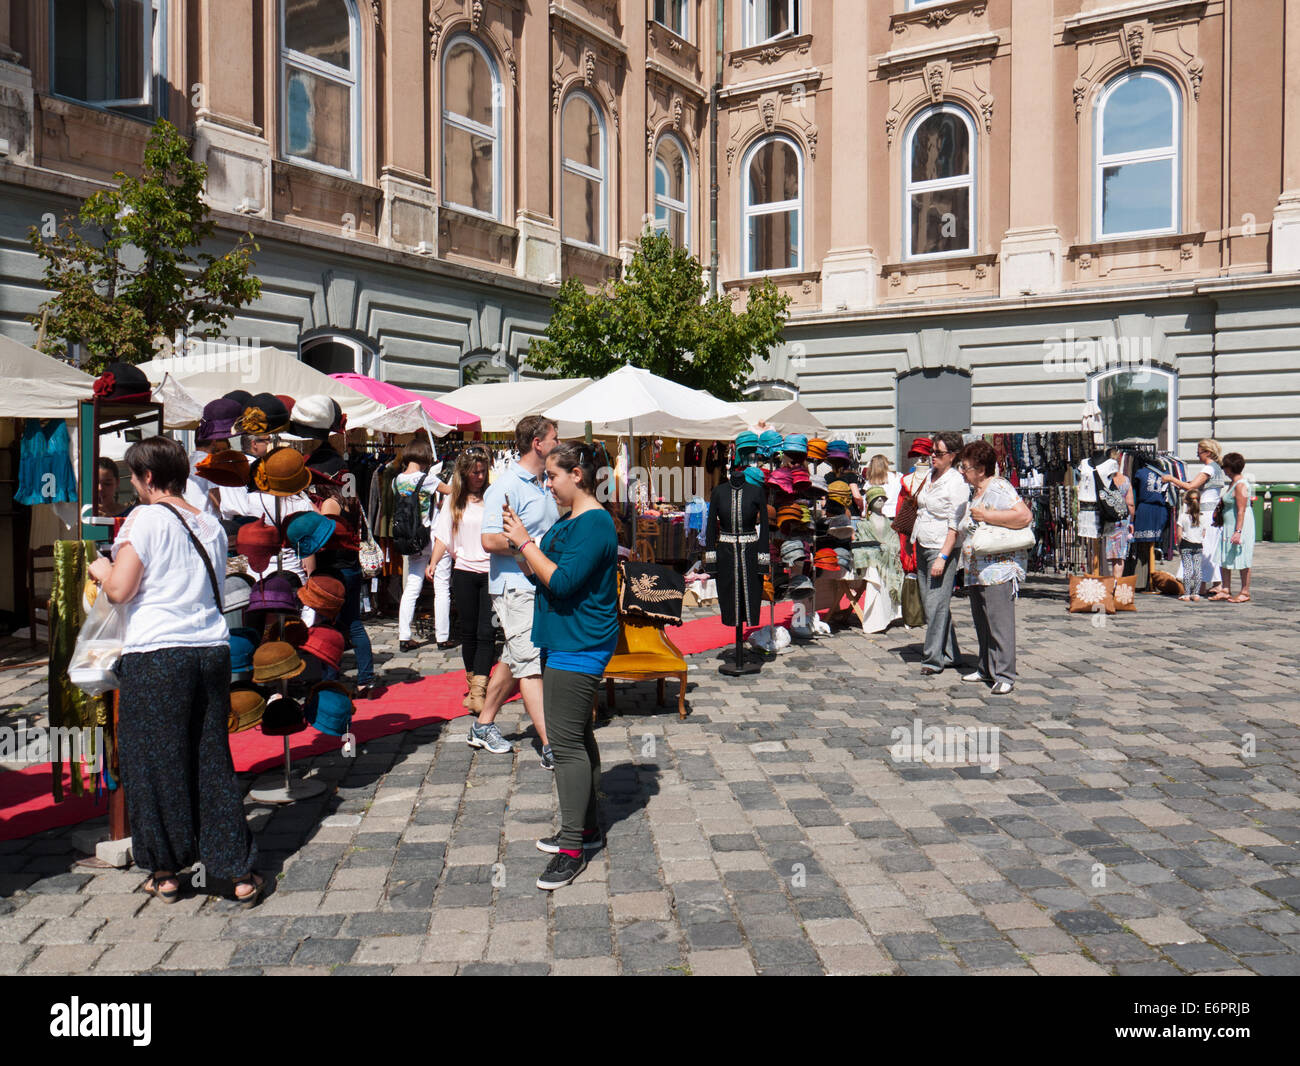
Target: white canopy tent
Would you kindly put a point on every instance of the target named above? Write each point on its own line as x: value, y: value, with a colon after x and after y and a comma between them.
x: 207, y: 375
x: 38, y: 386
x: 634, y: 401
x: 787, y: 416
x: 501, y: 404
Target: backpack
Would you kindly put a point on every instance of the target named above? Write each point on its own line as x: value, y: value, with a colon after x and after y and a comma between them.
x: 410, y: 534
x: 1110, y: 500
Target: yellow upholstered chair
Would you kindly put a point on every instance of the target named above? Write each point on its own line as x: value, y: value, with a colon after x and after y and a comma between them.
x: 645, y: 653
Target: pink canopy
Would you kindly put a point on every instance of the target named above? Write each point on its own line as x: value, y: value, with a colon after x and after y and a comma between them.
x: 394, y: 396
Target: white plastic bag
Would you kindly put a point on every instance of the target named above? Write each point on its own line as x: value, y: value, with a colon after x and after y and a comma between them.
x: 93, y: 666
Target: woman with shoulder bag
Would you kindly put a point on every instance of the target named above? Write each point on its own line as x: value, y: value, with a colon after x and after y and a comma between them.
x: 940, y: 509
x: 996, y: 554
x: 417, y: 477
x: 181, y: 790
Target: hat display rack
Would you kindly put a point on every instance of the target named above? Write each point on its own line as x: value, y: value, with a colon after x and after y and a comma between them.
x: 283, y: 787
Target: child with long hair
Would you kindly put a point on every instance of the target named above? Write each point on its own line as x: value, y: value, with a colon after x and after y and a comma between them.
x: 1191, y: 538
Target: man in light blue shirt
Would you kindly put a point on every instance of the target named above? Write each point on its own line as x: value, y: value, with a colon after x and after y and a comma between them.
x: 512, y: 593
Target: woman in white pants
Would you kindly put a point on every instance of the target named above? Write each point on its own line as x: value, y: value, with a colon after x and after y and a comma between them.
x: 418, y: 458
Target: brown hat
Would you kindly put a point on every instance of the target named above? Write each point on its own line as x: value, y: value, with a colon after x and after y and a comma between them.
x: 228, y: 468
x: 246, y: 707
x: 840, y: 492
x: 323, y: 593
x: 276, y: 661
x: 282, y: 473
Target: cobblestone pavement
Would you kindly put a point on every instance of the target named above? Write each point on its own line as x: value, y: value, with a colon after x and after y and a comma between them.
x: 1124, y: 831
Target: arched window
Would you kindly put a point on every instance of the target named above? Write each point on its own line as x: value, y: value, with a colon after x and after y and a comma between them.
x: 939, y: 209
x: 1137, y: 404
x: 582, y: 181
x: 672, y: 191
x: 335, y: 354
x: 1136, y: 145
x: 471, y: 129
x: 319, y: 69
x: 773, y: 206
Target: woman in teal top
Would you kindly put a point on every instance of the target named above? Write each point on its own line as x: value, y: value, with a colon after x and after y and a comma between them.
x: 575, y: 623
x: 1236, y: 548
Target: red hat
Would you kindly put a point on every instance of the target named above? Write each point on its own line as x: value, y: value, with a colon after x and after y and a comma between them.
x: 826, y: 559
x: 921, y: 446
x: 326, y: 643
x: 324, y: 594
x: 257, y: 542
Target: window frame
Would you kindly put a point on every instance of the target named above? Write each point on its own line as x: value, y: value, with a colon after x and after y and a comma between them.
x: 1171, y: 377
x: 1147, y: 155
x: 747, y: 210
x: 911, y: 188
x: 154, y: 97
x: 685, y: 32
x: 572, y: 166
x: 289, y: 57
x: 683, y: 206
x: 468, y: 125
x: 750, y: 22
x: 365, y: 355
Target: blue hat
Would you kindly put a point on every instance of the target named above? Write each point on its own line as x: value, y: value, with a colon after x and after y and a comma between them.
x: 839, y: 448
x: 769, y: 442
x: 243, y: 642
x: 754, y: 475
x: 747, y: 442
x: 308, y: 532
x: 329, y: 708
x: 797, y: 443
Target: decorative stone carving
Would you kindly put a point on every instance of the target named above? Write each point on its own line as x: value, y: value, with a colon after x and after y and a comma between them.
x: 1187, y: 251
x: 475, y: 15
x: 1080, y: 94
x: 435, y: 35
x: 1133, y: 39
x: 891, y: 126
x: 649, y: 140
x: 1085, y: 261
x: 981, y: 271
x: 556, y: 91
x: 811, y: 134
x: 731, y: 156
x: 1196, y: 74
x: 986, y: 108
x: 768, y: 110
x: 677, y: 114
x: 936, y: 77
x: 588, y: 67
x: 377, y: 9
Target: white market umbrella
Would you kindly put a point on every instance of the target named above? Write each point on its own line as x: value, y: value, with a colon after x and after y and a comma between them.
x: 632, y: 400
x: 787, y: 416
x: 36, y: 385
x: 501, y: 404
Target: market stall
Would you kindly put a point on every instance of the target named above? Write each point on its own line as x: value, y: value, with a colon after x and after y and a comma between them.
x: 499, y: 405
x: 440, y: 418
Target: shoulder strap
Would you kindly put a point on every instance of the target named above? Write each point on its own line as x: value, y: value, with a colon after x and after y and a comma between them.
x: 203, y: 554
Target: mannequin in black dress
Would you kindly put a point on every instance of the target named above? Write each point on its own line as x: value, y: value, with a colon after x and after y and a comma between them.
x: 737, y: 552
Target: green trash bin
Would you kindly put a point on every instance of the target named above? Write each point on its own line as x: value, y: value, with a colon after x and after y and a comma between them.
x: 1286, y: 513
x: 1257, y: 505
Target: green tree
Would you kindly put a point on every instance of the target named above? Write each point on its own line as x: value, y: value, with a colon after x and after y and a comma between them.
x: 140, y: 277
x: 656, y: 317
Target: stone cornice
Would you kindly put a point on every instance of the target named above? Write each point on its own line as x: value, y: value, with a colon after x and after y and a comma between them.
x: 676, y: 77
x: 938, y: 15
x: 586, y: 26
x: 807, y: 76
x: 954, y: 47
x: 1086, y: 23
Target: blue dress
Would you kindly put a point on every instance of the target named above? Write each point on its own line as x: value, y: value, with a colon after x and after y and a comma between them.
x: 1152, y: 508
x: 1236, y: 556
x: 45, y: 472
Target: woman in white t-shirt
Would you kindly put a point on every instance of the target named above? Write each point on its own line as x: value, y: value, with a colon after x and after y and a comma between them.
x: 1209, y: 481
x: 878, y: 473
x: 418, y: 458
x: 168, y: 564
x: 458, y: 532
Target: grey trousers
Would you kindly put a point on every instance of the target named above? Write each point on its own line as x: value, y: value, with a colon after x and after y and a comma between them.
x: 993, y: 609
x: 936, y: 592
x: 567, y: 698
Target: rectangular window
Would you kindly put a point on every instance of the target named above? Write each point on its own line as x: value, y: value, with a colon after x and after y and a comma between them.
x: 108, y: 54
x: 941, y: 221
x: 319, y: 119
x: 769, y: 20
x: 1137, y: 197
x: 581, y: 210
x: 774, y: 242
x: 672, y: 13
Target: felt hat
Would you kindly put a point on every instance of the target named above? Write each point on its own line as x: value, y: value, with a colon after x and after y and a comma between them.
x: 876, y: 492
x: 818, y: 484
x: 257, y: 542
x: 288, y: 404
x: 282, y: 717
x: 840, y: 492
x: 324, y: 594
x: 247, y: 705
x: 329, y: 708
x: 782, y: 478
x: 845, y: 558
x: 122, y: 383
x: 769, y: 442
x: 241, y: 397
x: 228, y: 468
x: 313, y: 416
x: 219, y: 418
x: 234, y: 596
x: 282, y: 472
x: 793, y: 552
x: 840, y: 525
x: 754, y: 475
x: 825, y: 559
x: 326, y: 464
x: 807, y: 514
x: 291, y: 630
x: 795, y: 443
x: 326, y: 643
x: 243, y: 642
x: 747, y: 441
x: 921, y: 446
x: 276, y: 660
x: 838, y: 449
x: 816, y: 449
x: 771, y: 514
x: 789, y: 514
x: 802, y: 583
x: 264, y: 413
x: 275, y: 592
x: 308, y: 532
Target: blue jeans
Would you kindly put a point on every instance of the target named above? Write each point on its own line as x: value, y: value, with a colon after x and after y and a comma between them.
x: 350, y: 623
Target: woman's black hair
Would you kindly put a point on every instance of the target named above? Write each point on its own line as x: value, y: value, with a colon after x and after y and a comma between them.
x: 1233, y: 463
x: 575, y: 455
x: 162, y: 457
x: 105, y: 465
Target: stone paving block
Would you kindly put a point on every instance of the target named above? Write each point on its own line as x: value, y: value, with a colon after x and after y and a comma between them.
x: 65, y: 959
x: 733, y: 962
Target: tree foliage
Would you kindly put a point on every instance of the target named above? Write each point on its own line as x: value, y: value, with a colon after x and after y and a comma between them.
x: 127, y: 272
x: 656, y: 317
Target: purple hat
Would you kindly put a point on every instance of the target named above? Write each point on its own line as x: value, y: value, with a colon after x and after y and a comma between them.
x: 218, y: 421
x: 275, y: 592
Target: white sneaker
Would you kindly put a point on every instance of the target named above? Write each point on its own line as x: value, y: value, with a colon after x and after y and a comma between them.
x: 977, y: 676
x: 489, y: 737
x: 1002, y: 688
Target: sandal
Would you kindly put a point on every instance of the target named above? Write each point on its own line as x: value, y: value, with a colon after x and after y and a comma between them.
x: 250, y: 900
x: 1186, y: 599
x: 1241, y: 597
x: 153, y: 887
x: 1220, y: 596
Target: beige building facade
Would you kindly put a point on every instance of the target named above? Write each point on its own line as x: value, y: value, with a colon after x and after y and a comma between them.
x: 987, y: 213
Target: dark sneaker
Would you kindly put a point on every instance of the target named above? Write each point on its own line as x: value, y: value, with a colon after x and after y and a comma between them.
x: 561, y: 870
x: 548, y: 758
x: 551, y: 845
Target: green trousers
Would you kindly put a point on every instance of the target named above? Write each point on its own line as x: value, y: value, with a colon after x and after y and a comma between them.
x: 567, y: 698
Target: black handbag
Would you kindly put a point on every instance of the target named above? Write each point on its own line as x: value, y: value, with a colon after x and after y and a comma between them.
x: 650, y: 592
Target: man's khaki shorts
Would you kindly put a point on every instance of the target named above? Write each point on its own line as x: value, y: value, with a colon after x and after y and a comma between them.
x: 514, y: 611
